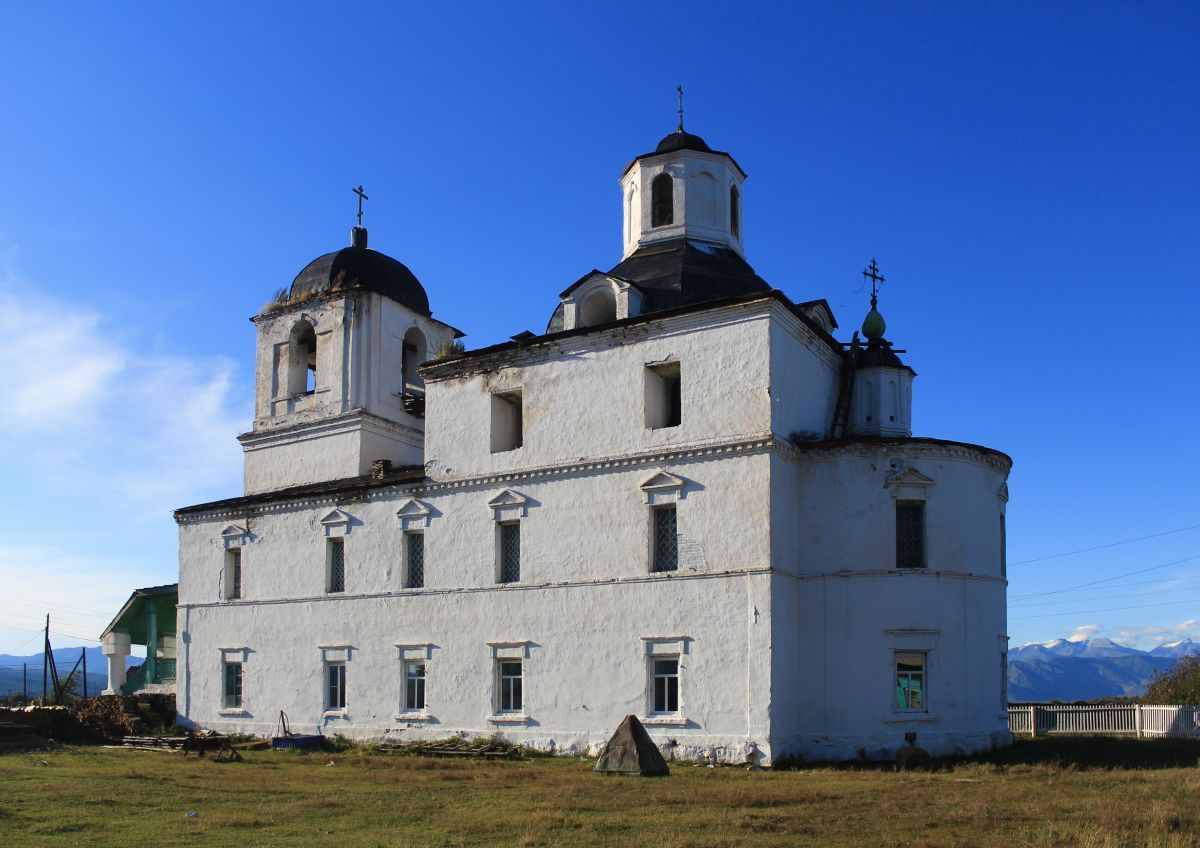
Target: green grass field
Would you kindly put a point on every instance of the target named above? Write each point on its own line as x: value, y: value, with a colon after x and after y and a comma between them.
x: 1085, y: 792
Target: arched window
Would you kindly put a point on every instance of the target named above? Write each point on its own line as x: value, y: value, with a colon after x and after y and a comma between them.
x: 662, y: 201
x: 735, y: 212
x: 599, y: 307
x: 416, y: 351
x: 302, y: 359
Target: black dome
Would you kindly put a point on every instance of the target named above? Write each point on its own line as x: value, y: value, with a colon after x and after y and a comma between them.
x: 364, y: 269
x: 680, y: 140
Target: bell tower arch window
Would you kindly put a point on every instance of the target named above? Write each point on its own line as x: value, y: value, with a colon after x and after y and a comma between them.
x: 599, y: 307
x: 735, y: 212
x: 302, y: 359
x: 662, y: 201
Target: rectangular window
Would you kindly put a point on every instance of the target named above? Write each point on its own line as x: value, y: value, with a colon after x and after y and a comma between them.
x: 510, y: 700
x: 910, y: 681
x: 336, y: 566
x: 414, y: 573
x: 233, y: 685
x: 510, y: 552
x: 664, y: 398
x: 910, y: 534
x: 414, y: 686
x: 665, y: 549
x: 665, y: 673
x: 233, y: 573
x: 335, y: 686
x: 507, y: 421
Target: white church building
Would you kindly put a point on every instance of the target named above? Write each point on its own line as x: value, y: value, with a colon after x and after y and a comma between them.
x: 685, y: 501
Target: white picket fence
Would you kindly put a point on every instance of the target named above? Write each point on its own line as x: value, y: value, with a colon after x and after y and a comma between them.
x: 1140, y: 720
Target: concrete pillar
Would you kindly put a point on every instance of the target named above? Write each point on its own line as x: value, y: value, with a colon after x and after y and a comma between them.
x: 115, y: 648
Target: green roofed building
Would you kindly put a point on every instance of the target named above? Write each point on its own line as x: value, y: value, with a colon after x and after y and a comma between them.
x: 147, y: 618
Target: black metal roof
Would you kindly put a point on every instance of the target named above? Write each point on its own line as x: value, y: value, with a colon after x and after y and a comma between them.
x: 364, y: 269
x: 680, y: 140
x: 345, y: 487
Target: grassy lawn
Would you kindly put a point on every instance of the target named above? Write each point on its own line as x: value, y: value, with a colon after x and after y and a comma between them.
x: 1093, y: 792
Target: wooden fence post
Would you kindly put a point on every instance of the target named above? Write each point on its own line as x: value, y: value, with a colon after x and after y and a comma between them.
x: 1033, y: 720
x: 1137, y: 719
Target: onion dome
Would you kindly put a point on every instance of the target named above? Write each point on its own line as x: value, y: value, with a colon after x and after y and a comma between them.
x: 873, y: 326
x: 680, y: 140
x: 358, y: 268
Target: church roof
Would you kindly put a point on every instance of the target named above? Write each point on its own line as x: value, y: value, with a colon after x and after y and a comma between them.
x: 680, y: 140
x: 363, y: 269
x: 682, y: 272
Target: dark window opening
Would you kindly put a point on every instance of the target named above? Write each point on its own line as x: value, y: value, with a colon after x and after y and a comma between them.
x: 234, y: 577
x: 510, y: 552
x: 416, y: 561
x: 233, y: 685
x: 666, y: 539
x: 511, y: 699
x: 664, y: 395
x: 662, y: 201
x: 910, y: 534
x: 735, y: 223
x: 666, y: 686
x: 414, y: 686
x: 337, y: 566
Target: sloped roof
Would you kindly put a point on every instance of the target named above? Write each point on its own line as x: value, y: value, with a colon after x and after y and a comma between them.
x: 132, y: 617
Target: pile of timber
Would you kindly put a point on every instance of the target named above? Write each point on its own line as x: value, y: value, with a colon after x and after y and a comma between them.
x: 19, y: 737
x: 483, y: 749
x: 155, y: 743
x: 113, y: 717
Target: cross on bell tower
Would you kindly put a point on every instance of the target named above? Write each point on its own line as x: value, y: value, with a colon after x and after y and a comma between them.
x: 872, y: 273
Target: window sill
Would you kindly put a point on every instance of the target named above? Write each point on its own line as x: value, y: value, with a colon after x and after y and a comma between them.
x: 911, y: 718
x: 508, y: 718
x: 233, y: 711
x: 412, y: 717
x: 665, y: 721
x: 335, y: 714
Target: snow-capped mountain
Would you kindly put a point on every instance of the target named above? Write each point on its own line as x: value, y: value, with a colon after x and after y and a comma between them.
x: 1082, y: 669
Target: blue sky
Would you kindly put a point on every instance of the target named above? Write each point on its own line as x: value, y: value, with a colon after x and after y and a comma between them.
x: 1024, y: 172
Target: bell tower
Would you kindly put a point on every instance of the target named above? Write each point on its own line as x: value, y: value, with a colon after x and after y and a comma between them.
x: 683, y: 189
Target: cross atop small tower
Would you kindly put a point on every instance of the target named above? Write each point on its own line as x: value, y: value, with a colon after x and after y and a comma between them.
x: 872, y: 273
x: 361, y: 197
x: 679, y: 90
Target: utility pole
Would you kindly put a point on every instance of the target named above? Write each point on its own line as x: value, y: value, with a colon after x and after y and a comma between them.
x: 46, y: 658
x: 83, y: 654
x: 25, y: 682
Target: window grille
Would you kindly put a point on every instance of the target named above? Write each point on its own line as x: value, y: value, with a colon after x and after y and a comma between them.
x: 666, y: 540
x: 337, y: 565
x: 335, y: 692
x: 510, y: 552
x: 510, y: 687
x: 666, y: 686
x: 910, y: 534
x: 416, y: 560
x: 235, y: 574
x: 414, y: 686
x: 233, y: 685
x: 910, y: 681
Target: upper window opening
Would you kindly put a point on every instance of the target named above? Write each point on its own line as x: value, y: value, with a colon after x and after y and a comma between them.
x: 507, y: 421
x: 599, y: 307
x: 414, y: 353
x: 662, y: 201
x: 665, y: 545
x: 335, y: 572
x: 302, y: 359
x: 664, y: 395
x: 509, y: 553
x: 910, y: 534
x: 233, y: 573
x: 735, y: 212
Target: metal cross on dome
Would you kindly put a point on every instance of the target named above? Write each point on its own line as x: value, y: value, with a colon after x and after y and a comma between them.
x: 872, y: 274
x: 361, y: 197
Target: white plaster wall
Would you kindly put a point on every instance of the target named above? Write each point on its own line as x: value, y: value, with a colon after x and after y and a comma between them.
x: 583, y: 397
x: 804, y: 378
x: 586, y: 666
x: 589, y: 526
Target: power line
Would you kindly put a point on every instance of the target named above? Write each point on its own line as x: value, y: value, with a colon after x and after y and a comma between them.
x: 1109, y: 545
x: 1089, y: 612
x: 1106, y: 579
x: 1105, y: 598
x: 44, y: 604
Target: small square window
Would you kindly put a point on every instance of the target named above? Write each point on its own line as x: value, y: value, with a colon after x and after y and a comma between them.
x: 414, y: 686
x: 232, y: 695
x: 336, y: 565
x: 335, y: 686
x: 233, y: 573
x: 508, y: 680
x: 664, y: 673
x: 507, y: 421
x: 910, y: 534
x: 665, y: 544
x: 414, y: 566
x: 664, y: 398
x: 910, y: 681
x: 510, y: 552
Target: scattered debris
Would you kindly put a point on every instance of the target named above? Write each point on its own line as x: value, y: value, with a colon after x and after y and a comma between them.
x: 484, y: 749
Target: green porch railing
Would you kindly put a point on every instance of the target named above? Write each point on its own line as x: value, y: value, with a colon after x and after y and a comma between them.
x: 164, y: 673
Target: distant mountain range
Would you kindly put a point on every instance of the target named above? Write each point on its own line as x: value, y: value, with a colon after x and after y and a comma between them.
x: 64, y: 660
x: 1085, y: 669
